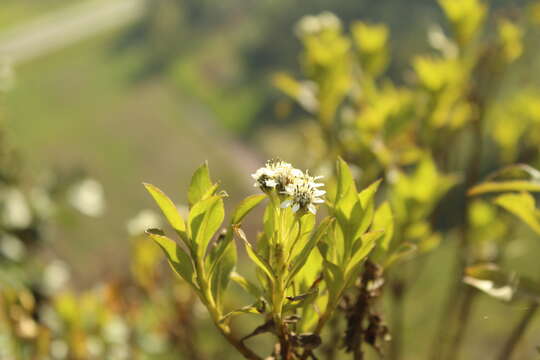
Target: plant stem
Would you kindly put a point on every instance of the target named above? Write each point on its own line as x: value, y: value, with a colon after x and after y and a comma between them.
x: 518, y: 332
x: 279, y: 291
x: 208, y: 300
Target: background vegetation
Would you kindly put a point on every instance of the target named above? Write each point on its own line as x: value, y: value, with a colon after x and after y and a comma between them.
x: 229, y: 82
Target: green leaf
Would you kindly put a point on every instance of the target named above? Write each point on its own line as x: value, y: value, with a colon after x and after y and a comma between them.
x: 500, y: 186
x: 346, y: 194
x: 245, y: 284
x: 301, y: 300
x: 401, y: 253
x: 384, y: 220
x: 177, y: 257
x: 201, y: 186
x: 250, y: 309
x: 168, y: 208
x: 225, y: 259
x: 368, y: 241
x: 523, y: 206
x: 255, y: 257
x: 366, y: 198
x: 299, y: 261
x: 246, y: 206
x: 205, y: 218
x: 334, y: 279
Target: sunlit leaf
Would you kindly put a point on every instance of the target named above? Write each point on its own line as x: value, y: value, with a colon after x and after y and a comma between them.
x: 167, y: 207
x: 384, y: 220
x: 205, y: 218
x: 225, y: 262
x: 250, y: 309
x: 178, y: 258
x: 368, y: 241
x: 245, y: 284
x: 255, y: 257
x: 201, y: 186
x: 246, y: 206
x: 523, y: 206
x: 501, y: 186
x: 299, y: 261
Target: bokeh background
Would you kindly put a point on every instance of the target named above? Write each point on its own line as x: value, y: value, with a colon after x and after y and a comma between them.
x: 101, y: 95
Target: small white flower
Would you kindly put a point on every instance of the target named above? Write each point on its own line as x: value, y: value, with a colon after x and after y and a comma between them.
x: 298, y: 190
x: 276, y: 174
x: 304, y: 194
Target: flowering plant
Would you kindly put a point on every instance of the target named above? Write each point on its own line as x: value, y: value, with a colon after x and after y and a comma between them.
x: 303, y: 265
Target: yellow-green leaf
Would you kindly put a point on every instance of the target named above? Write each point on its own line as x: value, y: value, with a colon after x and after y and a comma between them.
x: 201, y: 186
x: 501, y: 186
x: 205, y: 218
x: 523, y: 206
x: 246, y: 206
x: 168, y: 208
x: 177, y: 257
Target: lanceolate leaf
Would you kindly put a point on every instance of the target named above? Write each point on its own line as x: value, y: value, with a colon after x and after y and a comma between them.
x: 346, y: 194
x: 168, y: 208
x: 178, y: 258
x: 366, y: 197
x: 500, y: 186
x: 221, y: 276
x: 334, y: 280
x: 384, y: 220
x: 255, y: 257
x: 205, y: 218
x: 523, y: 206
x: 201, y: 185
x: 246, y: 206
x: 299, y: 261
x: 250, y: 309
x: 368, y: 241
x: 245, y: 284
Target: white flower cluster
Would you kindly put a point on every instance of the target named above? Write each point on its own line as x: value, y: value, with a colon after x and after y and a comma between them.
x: 315, y: 24
x: 301, y: 191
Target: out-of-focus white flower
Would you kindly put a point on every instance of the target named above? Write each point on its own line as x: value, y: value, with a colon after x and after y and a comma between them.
x: 145, y: 219
x: 12, y: 247
x: 314, y: 24
x: 88, y: 197
x: 16, y: 212
x: 59, y: 349
x: 438, y: 40
x: 307, y: 96
x: 55, y: 276
x: 95, y: 347
x: 116, y: 331
x: 304, y: 194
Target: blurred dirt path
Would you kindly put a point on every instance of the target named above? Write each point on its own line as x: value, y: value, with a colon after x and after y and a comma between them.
x: 61, y: 28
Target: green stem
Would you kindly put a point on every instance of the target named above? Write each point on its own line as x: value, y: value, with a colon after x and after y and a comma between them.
x: 215, y: 313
